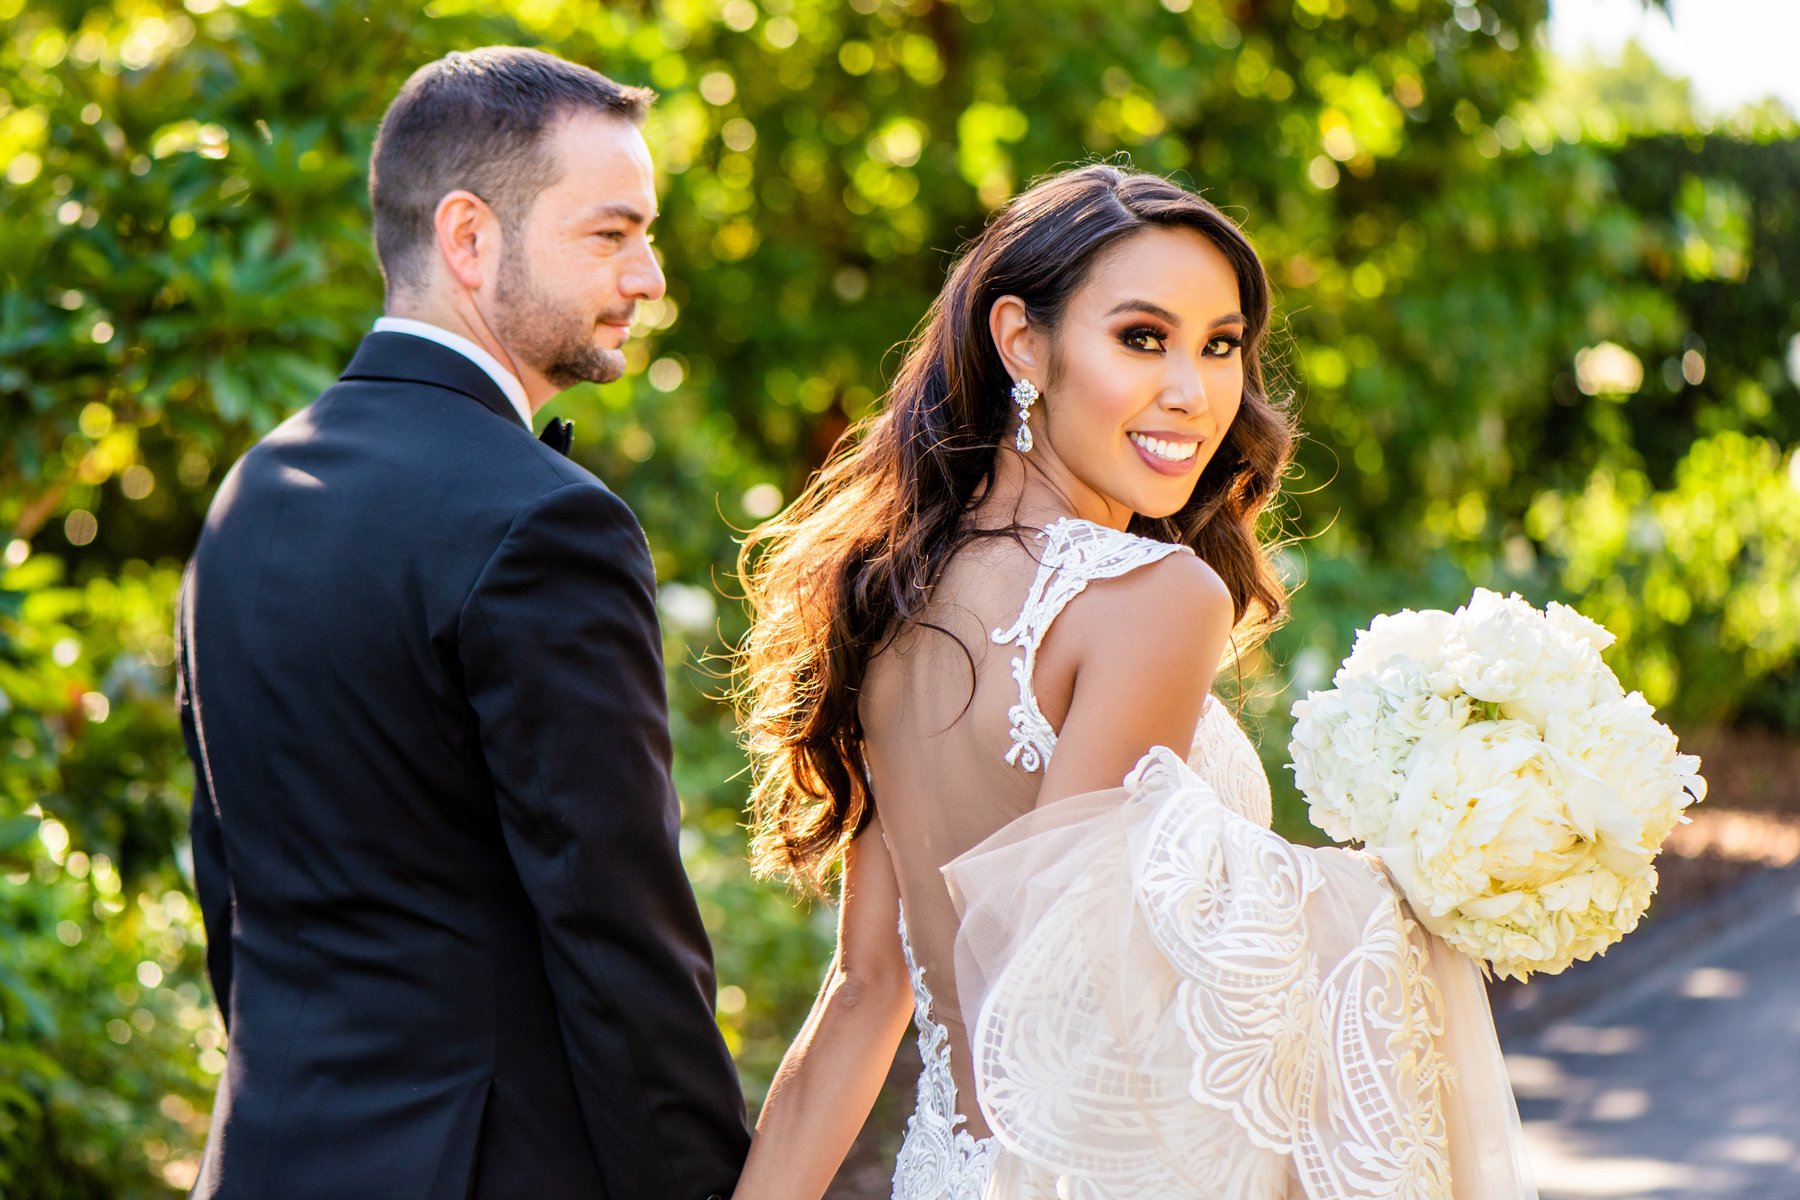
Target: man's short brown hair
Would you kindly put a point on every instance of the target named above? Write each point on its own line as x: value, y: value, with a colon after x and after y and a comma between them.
x: 476, y: 121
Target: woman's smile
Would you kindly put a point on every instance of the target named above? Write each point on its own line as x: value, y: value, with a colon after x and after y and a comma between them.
x: 1167, y: 453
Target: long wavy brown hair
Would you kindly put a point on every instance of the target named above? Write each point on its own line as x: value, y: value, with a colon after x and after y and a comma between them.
x: 852, y: 561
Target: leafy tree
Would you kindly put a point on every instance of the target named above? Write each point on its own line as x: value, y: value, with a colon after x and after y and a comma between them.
x: 1450, y: 222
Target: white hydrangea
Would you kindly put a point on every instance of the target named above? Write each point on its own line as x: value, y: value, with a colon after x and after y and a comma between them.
x: 1517, y: 794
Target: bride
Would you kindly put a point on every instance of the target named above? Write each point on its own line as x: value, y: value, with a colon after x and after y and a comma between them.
x: 979, y: 684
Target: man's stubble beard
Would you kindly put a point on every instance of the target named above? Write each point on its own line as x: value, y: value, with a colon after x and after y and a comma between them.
x: 552, y: 339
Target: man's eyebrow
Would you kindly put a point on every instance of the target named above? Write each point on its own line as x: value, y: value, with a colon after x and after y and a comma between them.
x: 1157, y: 310
x: 620, y: 209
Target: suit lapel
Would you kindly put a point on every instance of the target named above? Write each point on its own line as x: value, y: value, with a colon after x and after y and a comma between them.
x: 403, y: 358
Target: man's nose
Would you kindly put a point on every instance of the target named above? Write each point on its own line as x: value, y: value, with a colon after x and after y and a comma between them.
x: 644, y: 281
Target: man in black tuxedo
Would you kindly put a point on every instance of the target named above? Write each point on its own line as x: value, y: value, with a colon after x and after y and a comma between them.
x: 421, y: 682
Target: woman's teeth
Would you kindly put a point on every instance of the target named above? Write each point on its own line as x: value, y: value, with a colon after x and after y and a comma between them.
x: 1167, y: 451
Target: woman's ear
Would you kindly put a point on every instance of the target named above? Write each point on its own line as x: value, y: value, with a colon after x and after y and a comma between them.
x: 1021, y: 344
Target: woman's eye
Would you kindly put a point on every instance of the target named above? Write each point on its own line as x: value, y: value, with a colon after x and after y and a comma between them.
x: 1144, y: 339
x: 1223, y: 346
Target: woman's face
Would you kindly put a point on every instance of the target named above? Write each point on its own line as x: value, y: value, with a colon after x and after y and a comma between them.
x: 1141, y: 379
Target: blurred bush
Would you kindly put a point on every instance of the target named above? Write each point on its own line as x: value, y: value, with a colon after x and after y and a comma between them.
x: 1541, y: 322
x: 109, y: 1046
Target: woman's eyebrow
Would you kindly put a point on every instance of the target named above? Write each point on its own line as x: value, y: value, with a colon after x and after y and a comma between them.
x: 1157, y: 310
x: 1144, y: 306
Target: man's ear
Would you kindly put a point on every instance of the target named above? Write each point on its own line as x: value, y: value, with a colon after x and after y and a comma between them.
x: 1020, y: 343
x: 468, y: 237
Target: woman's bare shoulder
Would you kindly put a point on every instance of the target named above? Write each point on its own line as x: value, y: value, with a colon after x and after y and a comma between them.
x: 1135, y: 657
x: 1176, y: 603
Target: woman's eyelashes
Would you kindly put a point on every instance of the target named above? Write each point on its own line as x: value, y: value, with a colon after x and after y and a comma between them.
x: 1148, y: 339
x: 1145, y: 338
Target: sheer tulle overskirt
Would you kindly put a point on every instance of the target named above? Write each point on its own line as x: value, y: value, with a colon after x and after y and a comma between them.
x: 1166, y: 999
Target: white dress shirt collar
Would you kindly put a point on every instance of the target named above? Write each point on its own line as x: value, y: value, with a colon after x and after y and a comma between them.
x: 507, y: 381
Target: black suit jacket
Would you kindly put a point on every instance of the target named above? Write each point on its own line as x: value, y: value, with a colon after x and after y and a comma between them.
x: 434, y: 832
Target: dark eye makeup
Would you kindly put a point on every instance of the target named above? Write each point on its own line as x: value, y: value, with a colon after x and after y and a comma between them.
x: 1137, y: 336
x: 1149, y: 339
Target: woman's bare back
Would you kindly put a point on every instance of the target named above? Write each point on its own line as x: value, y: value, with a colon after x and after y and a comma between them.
x: 934, y: 711
x: 944, y: 718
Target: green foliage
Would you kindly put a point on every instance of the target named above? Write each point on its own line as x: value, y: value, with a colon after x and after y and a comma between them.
x: 1448, y: 220
x: 108, y: 1045
x: 1701, y: 576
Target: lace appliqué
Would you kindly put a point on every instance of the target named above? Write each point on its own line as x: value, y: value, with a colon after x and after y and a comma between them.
x: 1384, y: 1019
x: 1335, y: 1063
x: 1223, y: 755
x: 1076, y: 552
x: 1180, y: 1023
x: 939, y: 1160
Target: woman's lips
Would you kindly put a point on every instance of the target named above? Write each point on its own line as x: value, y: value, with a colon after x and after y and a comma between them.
x: 1173, y: 455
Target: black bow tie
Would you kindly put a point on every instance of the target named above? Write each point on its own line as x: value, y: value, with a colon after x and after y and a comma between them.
x: 557, y: 435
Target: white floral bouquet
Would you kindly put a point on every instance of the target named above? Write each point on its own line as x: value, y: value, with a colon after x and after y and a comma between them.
x: 1515, y: 791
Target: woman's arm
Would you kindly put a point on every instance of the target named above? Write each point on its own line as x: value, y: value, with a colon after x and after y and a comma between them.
x: 831, y: 1074
x: 1141, y: 651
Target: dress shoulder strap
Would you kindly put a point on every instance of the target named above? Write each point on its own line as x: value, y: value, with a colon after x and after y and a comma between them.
x: 1076, y: 552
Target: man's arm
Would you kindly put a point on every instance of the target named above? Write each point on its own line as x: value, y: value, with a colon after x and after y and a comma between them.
x: 212, y: 883
x: 563, y: 665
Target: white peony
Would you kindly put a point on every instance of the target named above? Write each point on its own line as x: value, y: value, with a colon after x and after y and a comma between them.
x: 1408, y: 636
x: 1516, y: 793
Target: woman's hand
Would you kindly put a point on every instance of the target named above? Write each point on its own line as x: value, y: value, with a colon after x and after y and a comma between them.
x: 832, y: 1073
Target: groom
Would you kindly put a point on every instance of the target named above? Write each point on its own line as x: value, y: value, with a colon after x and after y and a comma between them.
x: 434, y: 832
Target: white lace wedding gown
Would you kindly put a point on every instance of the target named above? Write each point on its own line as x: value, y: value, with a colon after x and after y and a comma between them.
x: 1165, y: 999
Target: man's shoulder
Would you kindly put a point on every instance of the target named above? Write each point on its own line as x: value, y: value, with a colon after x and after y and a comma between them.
x: 572, y: 503
x: 442, y: 424
x: 477, y: 468
x: 517, y: 481
x: 527, y: 474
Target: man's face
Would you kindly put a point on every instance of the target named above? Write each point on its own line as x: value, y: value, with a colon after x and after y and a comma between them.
x: 578, y: 261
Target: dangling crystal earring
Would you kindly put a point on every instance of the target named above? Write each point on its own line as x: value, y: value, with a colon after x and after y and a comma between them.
x: 1024, y: 394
